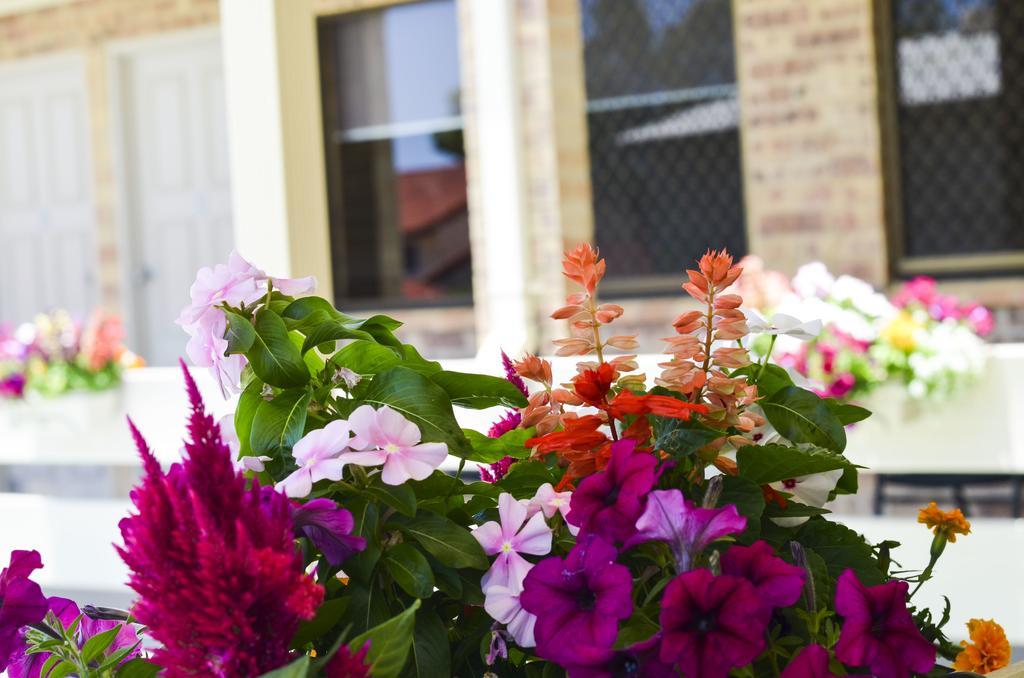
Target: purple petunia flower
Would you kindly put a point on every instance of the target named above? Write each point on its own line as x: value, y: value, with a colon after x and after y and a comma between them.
x: 810, y: 662
x: 21, y: 603
x: 711, y: 624
x: 777, y: 582
x: 12, y: 386
x: 67, y: 611
x: 329, y: 527
x: 578, y: 601
x: 610, y: 502
x: 637, y: 661
x: 878, y: 631
x: 686, y: 528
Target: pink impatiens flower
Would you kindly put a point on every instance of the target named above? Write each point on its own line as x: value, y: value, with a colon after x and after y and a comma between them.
x: 385, y: 437
x: 235, y: 283
x: 509, y: 538
x: 504, y: 606
x: 317, y: 456
x: 549, y: 502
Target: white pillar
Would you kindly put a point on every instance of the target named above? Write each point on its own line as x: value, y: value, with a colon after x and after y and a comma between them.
x: 272, y: 90
x: 505, y: 317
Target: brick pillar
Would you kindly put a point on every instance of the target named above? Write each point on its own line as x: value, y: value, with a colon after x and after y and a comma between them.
x: 556, y: 158
x: 810, y: 132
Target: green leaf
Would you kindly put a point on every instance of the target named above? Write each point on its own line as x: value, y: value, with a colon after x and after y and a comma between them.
x: 802, y: 417
x: 479, y: 391
x: 331, y: 330
x: 524, y: 477
x: 245, y: 413
x: 847, y: 414
x: 366, y: 517
x: 241, y: 334
x: 366, y: 357
x: 431, y: 651
x: 773, y: 379
x: 410, y: 570
x: 389, y: 643
x: 764, y: 464
x: 297, y: 669
x: 487, y: 450
x: 422, y: 402
x: 381, y: 328
x: 402, y: 498
x: 449, y: 542
x: 327, y: 617
x: 841, y: 548
x: 681, y: 438
x: 749, y: 501
x: 279, y: 423
x: 138, y: 668
x: 793, y: 510
x: 65, y: 668
x: 95, y: 646
x: 274, y: 358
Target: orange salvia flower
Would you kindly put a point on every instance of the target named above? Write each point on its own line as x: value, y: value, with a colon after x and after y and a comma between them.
x: 582, y: 266
x: 988, y: 651
x: 948, y: 523
x: 534, y: 368
x: 579, y: 434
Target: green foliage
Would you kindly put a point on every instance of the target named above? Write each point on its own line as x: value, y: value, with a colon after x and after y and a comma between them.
x: 449, y: 542
x: 272, y: 355
x: 389, y: 643
x: 802, y: 417
x: 279, y: 423
x: 488, y: 450
x: 841, y: 548
x: 765, y: 464
x: 410, y: 570
x: 478, y: 391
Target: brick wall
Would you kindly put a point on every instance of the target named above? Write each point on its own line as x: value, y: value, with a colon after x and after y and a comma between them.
x: 810, y: 133
x: 88, y: 27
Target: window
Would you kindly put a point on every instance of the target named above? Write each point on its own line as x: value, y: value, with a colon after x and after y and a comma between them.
x: 959, y: 135
x: 663, y: 121
x: 395, y: 164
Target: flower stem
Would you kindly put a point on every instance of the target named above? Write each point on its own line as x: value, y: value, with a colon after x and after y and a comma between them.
x: 764, y: 363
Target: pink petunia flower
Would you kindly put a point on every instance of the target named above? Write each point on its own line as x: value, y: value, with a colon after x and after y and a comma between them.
x: 509, y: 537
x: 878, y: 631
x: 777, y: 582
x: 385, y: 437
x: 317, y: 455
x: 686, y: 528
x: 711, y: 624
x: 810, y: 662
x: 21, y: 603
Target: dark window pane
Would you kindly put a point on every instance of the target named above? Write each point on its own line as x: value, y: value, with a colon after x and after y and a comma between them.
x: 960, y: 72
x: 664, y: 138
x: 395, y: 161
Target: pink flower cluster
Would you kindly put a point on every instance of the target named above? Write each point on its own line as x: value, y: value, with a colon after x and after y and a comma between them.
x: 923, y: 291
x: 235, y: 284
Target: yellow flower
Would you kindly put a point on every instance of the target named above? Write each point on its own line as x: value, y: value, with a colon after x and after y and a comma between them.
x: 988, y: 650
x: 901, y: 332
x: 947, y: 523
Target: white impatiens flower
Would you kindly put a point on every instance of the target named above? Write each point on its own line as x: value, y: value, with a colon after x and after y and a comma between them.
x: 811, y: 490
x: 783, y: 325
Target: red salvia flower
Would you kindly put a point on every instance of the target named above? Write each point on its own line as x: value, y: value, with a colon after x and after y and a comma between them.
x: 592, y: 386
x: 221, y: 585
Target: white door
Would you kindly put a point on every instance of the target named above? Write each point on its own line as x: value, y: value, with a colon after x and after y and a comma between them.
x: 47, y: 217
x: 177, y: 181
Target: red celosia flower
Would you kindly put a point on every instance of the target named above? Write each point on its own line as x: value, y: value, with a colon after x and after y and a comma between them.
x: 221, y: 585
x: 592, y: 386
x: 348, y: 664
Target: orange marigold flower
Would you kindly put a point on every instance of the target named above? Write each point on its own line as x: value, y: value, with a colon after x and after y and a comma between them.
x: 988, y: 650
x: 582, y: 266
x: 948, y: 523
x: 592, y: 386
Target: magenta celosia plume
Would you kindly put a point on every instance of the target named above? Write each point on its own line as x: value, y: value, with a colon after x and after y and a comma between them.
x: 220, y: 583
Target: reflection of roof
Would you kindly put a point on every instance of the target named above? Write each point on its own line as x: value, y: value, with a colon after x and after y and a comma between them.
x: 427, y: 197
x: 715, y: 116
x: 933, y: 69
x: 941, y: 67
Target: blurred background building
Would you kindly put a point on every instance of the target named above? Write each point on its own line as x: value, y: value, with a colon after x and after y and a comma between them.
x: 438, y: 155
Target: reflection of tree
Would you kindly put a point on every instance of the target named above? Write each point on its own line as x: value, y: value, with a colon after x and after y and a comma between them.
x: 450, y: 141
